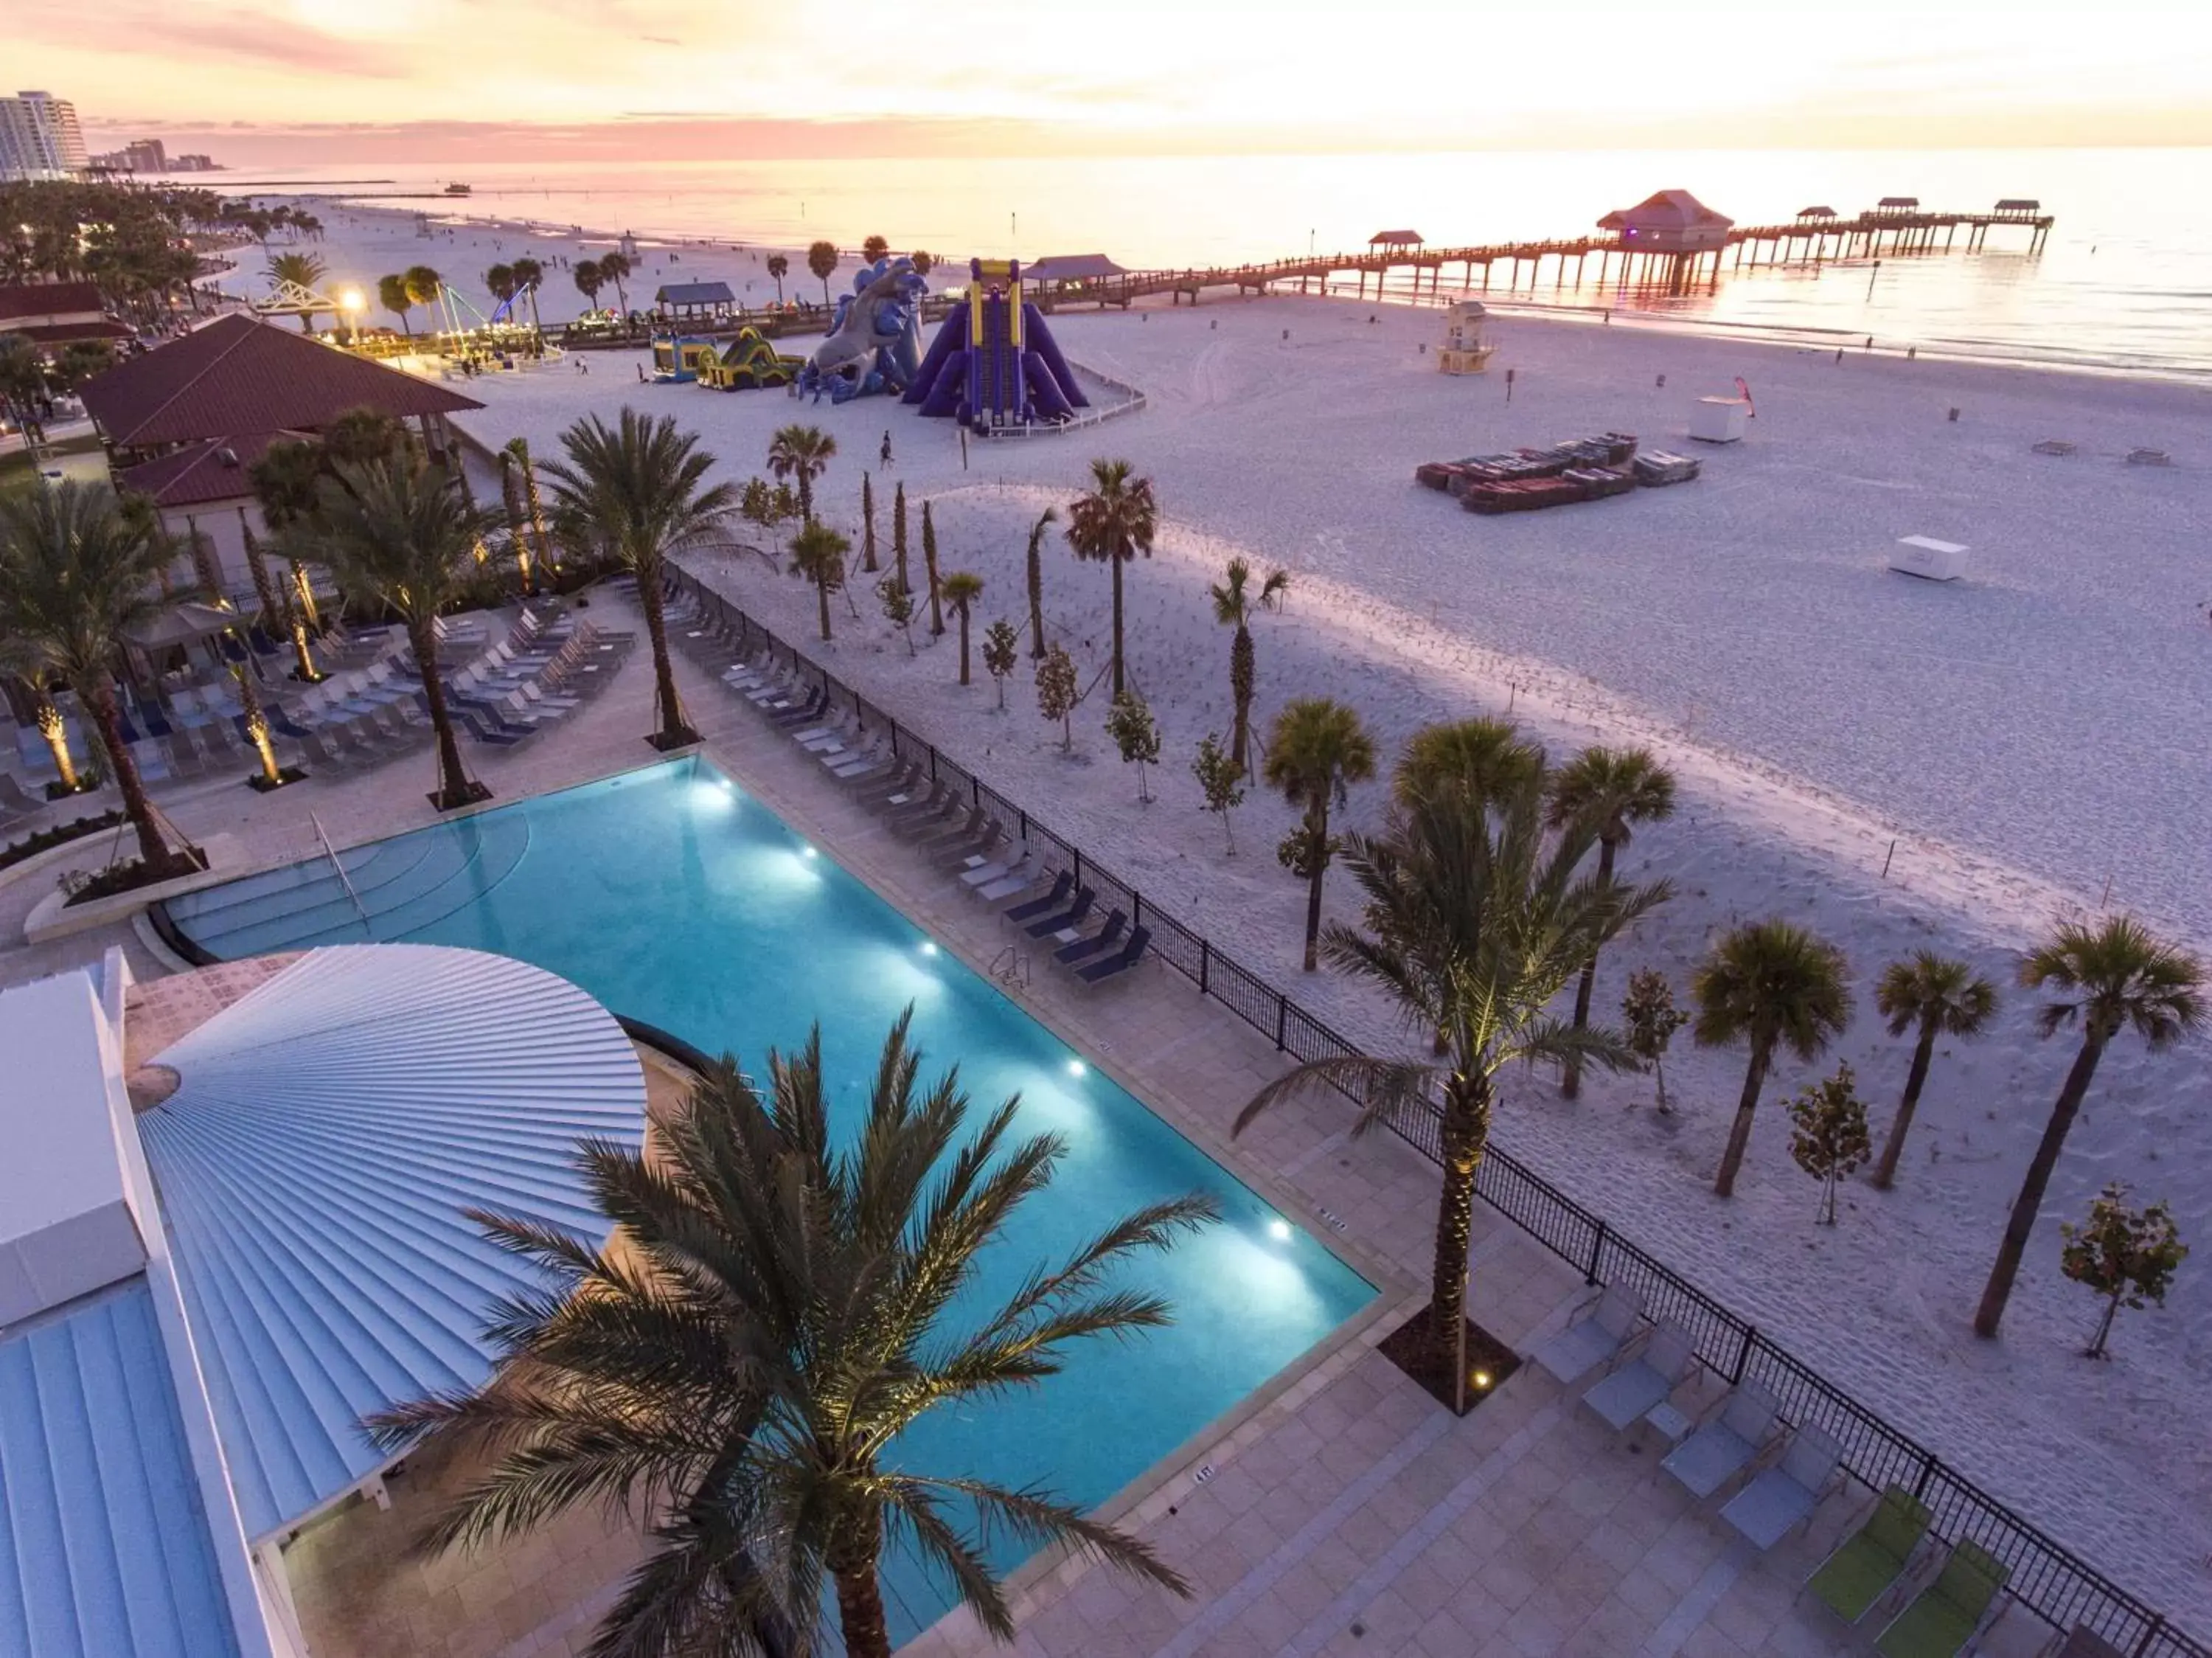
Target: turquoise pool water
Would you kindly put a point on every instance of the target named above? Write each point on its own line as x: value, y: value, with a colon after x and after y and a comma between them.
x: 675, y: 898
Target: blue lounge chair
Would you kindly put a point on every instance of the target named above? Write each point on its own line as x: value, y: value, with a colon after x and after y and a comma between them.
x: 1784, y: 1496
x: 1590, y: 1341
x: 1648, y: 1380
x: 1132, y: 954
x: 1046, y: 926
x: 1036, y: 906
x: 1724, y: 1447
x: 1104, y: 939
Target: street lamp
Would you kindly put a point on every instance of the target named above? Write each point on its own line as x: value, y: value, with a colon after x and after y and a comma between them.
x: 351, y: 302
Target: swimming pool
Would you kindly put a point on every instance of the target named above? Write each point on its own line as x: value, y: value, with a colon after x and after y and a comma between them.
x: 677, y: 900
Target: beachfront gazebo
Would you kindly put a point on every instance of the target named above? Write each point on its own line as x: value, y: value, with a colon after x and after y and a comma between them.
x: 1804, y: 213
x: 1898, y: 205
x: 1397, y: 239
x: 683, y: 300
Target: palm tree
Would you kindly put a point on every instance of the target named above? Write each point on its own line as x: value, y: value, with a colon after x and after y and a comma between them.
x: 801, y: 454
x: 1490, y: 756
x: 868, y: 525
x: 1233, y: 607
x: 1615, y: 788
x: 818, y: 553
x: 1943, y: 996
x: 1472, y: 924
x: 2113, y: 977
x: 304, y: 270
x: 391, y: 294
x: 399, y: 535
x: 614, y: 266
x: 744, y: 1368
x: 822, y: 260
x: 962, y: 588
x: 636, y: 488
x: 1111, y: 525
x: 589, y: 278
x: 1046, y: 519
x: 499, y: 281
x: 1316, y: 751
x: 424, y: 285
x: 874, y: 248
x: 1767, y: 983
x: 23, y: 383
x: 779, y: 267
x: 76, y: 571
x: 529, y: 276
x: 517, y: 519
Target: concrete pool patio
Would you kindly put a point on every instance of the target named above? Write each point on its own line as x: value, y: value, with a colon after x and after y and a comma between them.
x: 1346, y: 1512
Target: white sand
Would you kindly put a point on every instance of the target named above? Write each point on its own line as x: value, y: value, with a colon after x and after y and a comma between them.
x: 2022, y: 734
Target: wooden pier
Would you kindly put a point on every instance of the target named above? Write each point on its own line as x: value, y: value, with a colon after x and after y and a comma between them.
x: 1809, y: 241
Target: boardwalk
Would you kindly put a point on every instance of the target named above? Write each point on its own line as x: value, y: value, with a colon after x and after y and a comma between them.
x: 1876, y: 234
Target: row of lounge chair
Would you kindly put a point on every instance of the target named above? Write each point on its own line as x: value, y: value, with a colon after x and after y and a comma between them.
x: 942, y: 823
x: 1579, y: 469
x: 1888, y: 1573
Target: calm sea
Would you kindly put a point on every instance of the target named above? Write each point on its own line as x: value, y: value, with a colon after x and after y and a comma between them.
x: 2124, y: 283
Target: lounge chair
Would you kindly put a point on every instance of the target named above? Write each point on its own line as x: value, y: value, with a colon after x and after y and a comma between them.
x: 1590, y: 1341
x: 1784, y: 1496
x: 976, y: 852
x: 1104, y: 939
x: 1947, y: 1614
x: 15, y: 801
x: 1871, y: 1562
x: 1061, y: 883
x: 1131, y: 953
x: 1046, y: 926
x: 1723, y: 1448
x: 1013, y: 882
x: 1648, y: 1380
x: 1012, y: 861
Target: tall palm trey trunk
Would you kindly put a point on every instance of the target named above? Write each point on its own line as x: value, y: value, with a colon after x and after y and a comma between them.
x: 1466, y: 1135
x: 1571, y: 1074
x: 1738, y: 1140
x: 674, y: 732
x: 1317, y: 865
x: 454, y: 787
x: 860, y: 1598
x: 1923, y: 1052
x: 2021, y: 1227
x: 1244, y: 675
x: 1116, y: 564
x: 161, y: 861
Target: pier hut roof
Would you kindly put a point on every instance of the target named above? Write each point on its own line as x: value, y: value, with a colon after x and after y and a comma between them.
x: 1816, y: 212
x: 1397, y: 239
x: 1669, y: 217
x: 695, y: 293
x: 1072, y: 267
x: 2018, y: 204
x: 1898, y: 204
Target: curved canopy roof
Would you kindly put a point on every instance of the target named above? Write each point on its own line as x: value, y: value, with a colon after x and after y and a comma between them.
x: 327, y: 1132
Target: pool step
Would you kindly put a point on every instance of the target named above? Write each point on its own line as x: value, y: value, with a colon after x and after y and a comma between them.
x: 403, y: 885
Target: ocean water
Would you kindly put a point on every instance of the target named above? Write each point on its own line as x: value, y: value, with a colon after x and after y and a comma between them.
x: 2125, y: 282
x: 675, y: 898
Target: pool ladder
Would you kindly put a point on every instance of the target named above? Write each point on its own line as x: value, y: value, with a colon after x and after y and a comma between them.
x: 1011, y: 968
x: 344, y: 880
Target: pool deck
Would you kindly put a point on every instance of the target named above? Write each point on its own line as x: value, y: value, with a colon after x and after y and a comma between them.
x: 1340, y: 1511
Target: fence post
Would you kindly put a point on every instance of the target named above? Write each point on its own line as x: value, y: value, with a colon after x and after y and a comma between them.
x: 1743, y: 1354
x: 1282, y: 1013
x: 1077, y: 850
x: 1204, y: 956
x: 2157, y: 1628
x: 1597, y: 1248
x: 1136, y: 908
x: 1024, y: 812
x: 1928, y: 1466
x: 975, y: 792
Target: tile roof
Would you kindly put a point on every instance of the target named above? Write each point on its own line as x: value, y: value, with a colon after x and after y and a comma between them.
x: 104, y: 1544
x: 238, y: 375
x: 329, y: 1129
x: 199, y: 472
x: 48, y: 299
x: 61, y: 333
x: 695, y: 293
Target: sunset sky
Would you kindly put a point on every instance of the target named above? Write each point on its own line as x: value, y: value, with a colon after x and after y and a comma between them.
x: 398, y: 80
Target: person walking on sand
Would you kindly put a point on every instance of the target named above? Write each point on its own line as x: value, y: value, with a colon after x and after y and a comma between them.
x: 887, y: 447
x: 640, y: 374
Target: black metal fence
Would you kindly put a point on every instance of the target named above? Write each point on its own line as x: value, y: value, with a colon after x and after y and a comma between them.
x: 2045, y: 1576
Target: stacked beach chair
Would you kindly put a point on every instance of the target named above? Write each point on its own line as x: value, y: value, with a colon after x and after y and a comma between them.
x: 1576, y: 469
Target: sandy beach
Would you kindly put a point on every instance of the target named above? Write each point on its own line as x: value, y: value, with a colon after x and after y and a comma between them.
x: 1897, y: 763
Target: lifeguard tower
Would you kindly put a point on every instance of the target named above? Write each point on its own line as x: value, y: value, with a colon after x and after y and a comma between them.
x: 1464, y: 351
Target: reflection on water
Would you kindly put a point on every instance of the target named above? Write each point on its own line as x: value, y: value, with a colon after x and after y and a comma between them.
x: 2125, y: 280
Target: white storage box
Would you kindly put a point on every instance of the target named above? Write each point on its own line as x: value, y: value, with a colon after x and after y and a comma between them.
x: 1719, y: 419
x: 1936, y: 561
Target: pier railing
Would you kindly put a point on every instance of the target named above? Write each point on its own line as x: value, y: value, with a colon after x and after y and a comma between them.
x: 2045, y: 1576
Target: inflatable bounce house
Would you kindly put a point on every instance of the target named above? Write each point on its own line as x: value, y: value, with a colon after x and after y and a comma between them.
x: 874, y: 342
x: 993, y: 364
x: 678, y: 359
x: 749, y: 363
